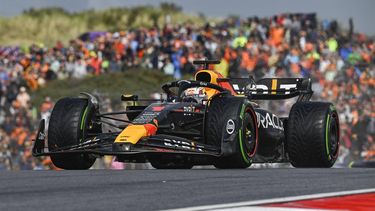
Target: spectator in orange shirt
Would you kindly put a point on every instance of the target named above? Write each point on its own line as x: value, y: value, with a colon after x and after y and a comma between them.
x: 276, y: 35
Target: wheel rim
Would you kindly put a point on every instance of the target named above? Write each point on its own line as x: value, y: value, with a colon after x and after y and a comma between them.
x: 250, y: 137
x: 333, y: 136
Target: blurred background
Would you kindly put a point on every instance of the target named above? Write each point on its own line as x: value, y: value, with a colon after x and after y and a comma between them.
x: 51, y: 49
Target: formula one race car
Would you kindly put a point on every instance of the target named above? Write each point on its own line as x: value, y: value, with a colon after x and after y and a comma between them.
x: 207, y: 121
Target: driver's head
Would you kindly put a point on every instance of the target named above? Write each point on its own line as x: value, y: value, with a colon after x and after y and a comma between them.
x: 209, y: 76
x: 195, y: 94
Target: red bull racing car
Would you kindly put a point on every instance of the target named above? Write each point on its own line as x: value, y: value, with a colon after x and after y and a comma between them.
x: 211, y: 120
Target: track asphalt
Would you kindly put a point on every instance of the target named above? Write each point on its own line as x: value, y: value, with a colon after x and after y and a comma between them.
x: 167, y: 189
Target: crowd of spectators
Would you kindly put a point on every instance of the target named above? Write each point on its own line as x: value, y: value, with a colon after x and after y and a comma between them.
x: 340, y: 62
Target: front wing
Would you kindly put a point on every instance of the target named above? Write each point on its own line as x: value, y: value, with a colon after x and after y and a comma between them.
x: 103, y: 144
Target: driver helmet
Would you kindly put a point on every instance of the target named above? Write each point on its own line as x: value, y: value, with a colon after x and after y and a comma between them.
x: 195, y: 94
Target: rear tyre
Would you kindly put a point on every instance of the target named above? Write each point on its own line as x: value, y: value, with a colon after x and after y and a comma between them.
x: 313, y: 135
x: 232, y: 118
x: 69, y: 125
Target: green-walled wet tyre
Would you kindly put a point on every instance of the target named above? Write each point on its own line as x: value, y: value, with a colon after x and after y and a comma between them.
x: 69, y: 125
x: 313, y: 135
x: 232, y: 118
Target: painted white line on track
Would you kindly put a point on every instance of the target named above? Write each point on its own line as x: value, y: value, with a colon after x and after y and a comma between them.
x: 275, y: 200
x: 256, y: 208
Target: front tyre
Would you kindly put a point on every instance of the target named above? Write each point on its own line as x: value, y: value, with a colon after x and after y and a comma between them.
x: 69, y: 125
x: 313, y: 135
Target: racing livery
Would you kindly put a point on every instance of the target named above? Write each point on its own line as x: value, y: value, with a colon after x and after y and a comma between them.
x: 211, y: 120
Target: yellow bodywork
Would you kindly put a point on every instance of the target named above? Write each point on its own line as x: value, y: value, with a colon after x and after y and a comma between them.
x: 131, y: 134
x: 212, y: 79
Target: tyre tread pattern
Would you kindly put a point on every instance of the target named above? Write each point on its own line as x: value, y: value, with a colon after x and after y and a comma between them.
x: 306, y: 134
x: 64, y: 130
x: 220, y: 109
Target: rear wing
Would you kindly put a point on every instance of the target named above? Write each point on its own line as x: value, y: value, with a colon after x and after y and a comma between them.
x: 272, y: 88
